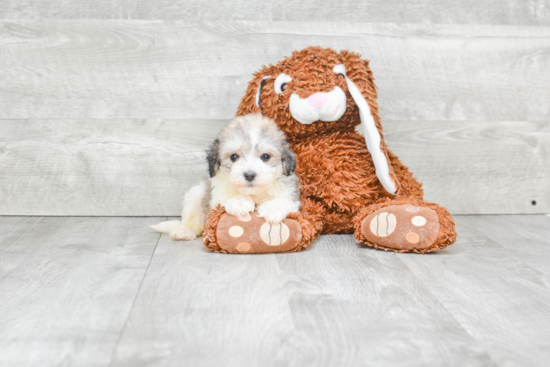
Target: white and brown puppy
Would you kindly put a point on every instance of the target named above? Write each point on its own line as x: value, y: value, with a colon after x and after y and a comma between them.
x: 250, y: 164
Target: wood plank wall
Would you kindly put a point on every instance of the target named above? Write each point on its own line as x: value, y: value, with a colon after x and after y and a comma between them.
x: 106, y: 107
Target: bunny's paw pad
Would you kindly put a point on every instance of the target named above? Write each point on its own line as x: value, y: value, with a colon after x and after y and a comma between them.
x: 252, y: 235
x: 402, y: 227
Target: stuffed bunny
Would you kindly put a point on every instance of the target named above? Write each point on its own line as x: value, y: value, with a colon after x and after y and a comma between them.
x: 351, y: 183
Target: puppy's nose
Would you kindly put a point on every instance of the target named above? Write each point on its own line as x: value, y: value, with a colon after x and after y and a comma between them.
x: 317, y: 100
x: 250, y: 176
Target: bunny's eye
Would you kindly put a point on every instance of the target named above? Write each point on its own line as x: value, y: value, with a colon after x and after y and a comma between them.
x: 340, y: 74
x: 281, y: 83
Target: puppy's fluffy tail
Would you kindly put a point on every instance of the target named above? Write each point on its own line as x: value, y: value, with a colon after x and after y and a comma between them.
x: 193, y: 217
x: 166, y: 227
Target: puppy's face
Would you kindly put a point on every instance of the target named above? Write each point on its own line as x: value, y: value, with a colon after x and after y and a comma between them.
x: 252, y: 152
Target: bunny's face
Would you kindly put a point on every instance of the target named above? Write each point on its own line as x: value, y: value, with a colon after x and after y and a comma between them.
x: 318, y: 91
x: 308, y: 93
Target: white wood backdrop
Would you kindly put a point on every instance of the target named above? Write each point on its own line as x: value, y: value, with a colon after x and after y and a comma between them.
x: 106, y: 106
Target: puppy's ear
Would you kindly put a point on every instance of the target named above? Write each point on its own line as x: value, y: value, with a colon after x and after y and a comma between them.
x: 289, y: 161
x: 213, y: 158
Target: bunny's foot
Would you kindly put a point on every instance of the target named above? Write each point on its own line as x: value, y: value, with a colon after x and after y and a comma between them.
x: 405, y: 225
x: 253, y: 235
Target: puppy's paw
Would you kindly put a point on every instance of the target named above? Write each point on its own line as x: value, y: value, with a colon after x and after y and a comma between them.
x: 272, y: 212
x: 239, y: 206
x: 182, y: 233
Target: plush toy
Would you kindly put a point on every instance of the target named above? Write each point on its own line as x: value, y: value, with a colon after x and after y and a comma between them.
x: 351, y: 183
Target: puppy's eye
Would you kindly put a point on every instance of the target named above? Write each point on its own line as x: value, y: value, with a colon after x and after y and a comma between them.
x: 265, y: 157
x: 234, y: 157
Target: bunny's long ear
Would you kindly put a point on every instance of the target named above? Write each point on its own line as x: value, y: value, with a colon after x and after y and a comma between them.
x: 251, y: 102
x: 361, y: 87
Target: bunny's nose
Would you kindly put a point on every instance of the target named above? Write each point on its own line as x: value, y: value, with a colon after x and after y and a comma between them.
x: 317, y: 100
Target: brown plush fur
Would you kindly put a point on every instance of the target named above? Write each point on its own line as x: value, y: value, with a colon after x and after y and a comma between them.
x: 337, y: 174
x: 209, y: 235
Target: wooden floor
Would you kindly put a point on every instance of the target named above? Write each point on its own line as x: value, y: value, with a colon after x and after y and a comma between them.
x: 109, y: 291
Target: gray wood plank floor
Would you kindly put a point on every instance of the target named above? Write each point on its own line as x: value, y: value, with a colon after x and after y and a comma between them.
x: 103, y: 291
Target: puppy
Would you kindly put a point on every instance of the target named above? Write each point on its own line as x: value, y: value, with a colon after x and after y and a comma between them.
x: 249, y: 164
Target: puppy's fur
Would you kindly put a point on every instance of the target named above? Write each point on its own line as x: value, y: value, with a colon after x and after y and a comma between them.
x: 250, y: 164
